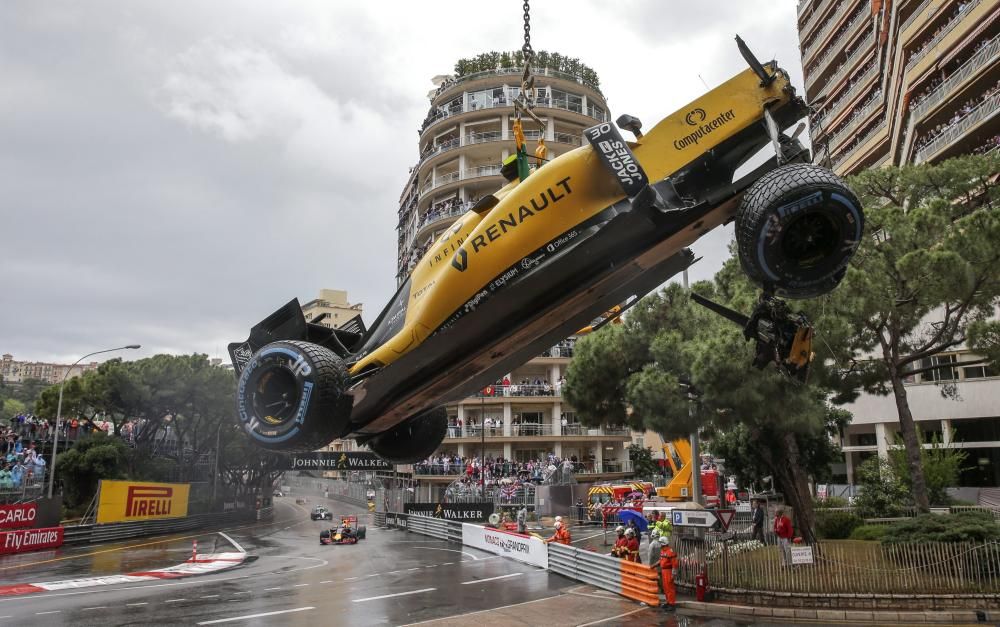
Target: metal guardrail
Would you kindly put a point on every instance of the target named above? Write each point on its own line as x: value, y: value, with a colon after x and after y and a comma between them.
x: 985, y: 56
x: 86, y: 534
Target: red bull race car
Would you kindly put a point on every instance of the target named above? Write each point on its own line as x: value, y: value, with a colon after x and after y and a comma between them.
x: 545, y: 255
x: 347, y: 532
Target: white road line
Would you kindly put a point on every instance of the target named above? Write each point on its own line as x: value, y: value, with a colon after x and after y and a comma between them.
x: 417, y: 568
x: 135, y: 604
x: 186, y: 582
x: 174, y: 600
x: 236, y: 618
x: 465, y: 583
x: 492, y: 609
x: 246, y: 592
x: 331, y: 581
x: 347, y: 579
x: 269, y: 589
x: 49, y: 612
x: 99, y: 607
x: 300, y: 585
x: 398, y: 594
x: 210, y: 596
x: 610, y: 618
x: 7, y: 616
x: 587, y: 538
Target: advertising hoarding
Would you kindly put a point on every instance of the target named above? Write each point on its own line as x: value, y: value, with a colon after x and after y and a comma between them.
x: 129, y: 501
x: 523, y: 548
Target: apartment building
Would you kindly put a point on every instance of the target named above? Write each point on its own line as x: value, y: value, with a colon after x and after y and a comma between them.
x: 334, y: 304
x: 462, y: 142
x: 910, y: 81
x: 900, y: 81
x: 14, y: 371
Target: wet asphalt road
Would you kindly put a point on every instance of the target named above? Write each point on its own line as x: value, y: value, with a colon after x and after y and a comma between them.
x: 391, y: 578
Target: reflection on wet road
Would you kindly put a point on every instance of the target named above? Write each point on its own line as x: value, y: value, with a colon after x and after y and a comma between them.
x: 390, y: 578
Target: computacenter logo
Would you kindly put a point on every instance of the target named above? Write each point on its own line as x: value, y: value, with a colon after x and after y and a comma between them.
x: 704, y: 127
x: 695, y: 117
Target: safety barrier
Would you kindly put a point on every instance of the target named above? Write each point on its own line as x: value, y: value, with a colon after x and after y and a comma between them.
x: 631, y: 580
x: 640, y: 582
x: 86, y: 534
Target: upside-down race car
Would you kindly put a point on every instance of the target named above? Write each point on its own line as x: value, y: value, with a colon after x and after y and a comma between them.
x: 549, y: 252
x: 347, y: 532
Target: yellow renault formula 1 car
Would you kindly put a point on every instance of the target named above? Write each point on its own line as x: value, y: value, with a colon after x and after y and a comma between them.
x: 544, y: 256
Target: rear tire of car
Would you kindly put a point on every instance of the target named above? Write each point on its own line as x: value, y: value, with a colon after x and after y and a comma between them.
x: 361, y: 532
x: 796, y: 230
x: 292, y: 396
x: 414, y: 439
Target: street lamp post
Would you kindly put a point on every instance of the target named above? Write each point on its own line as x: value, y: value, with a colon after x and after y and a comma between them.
x: 62, y: 385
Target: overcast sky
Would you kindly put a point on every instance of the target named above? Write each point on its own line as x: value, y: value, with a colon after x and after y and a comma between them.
x: 172, y: 172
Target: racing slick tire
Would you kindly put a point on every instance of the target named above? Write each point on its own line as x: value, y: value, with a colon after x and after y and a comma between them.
x: 361, y: 532
x: 290, y: 396
x: 412, y: 440
x: 796, y: 230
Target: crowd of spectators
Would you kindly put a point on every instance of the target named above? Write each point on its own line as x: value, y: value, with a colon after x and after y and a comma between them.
x: 820, y: 117
x: 941, y: 29
x: 23, y: 465
x: 29, y: 427
x: 960, y: 114
x: 497, y: 469
x: 991, y: 144
x: 930, y: 86
x: 848, y: 25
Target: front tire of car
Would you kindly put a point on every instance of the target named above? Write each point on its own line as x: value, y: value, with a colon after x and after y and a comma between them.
x: 797, y: 229
x: 292, y: 396
x: 412, y: 440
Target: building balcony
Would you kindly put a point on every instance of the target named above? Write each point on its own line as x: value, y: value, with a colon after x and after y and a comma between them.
x: 859, y: 117
x: 450, y: 472
x: 833, y: 49
x: 861, y: 51
x: 457, y: 176
x: 929, y: 46
x: 904, y: 29
x: 447, y: 89
x: 859, y: 85
x: 472, y: 139
x: 985, y: 57
x: 826, y: 29
x: 982, y: 113
x: 518, y: 391
x: 860, y: 147
x: 500, y: 104
x: 809, y: 27
x: 537, y: 431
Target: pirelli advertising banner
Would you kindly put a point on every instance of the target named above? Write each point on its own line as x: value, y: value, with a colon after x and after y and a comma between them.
x: 130, y: 501
x: 523, y: 548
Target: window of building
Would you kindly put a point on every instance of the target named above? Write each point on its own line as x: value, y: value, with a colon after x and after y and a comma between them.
x: 939, y: 374
x: 565, y: 100
x: 976, y: 430
x: 865, y: 439
x: 981, y: 371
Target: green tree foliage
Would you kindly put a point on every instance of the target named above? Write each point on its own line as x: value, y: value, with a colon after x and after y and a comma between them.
x: 88, y: 461
x: 925, y: 280
x: 972, y: 526
x: 643, y: 464
x: 544, y: 60
x: 881, y: 493
x: 17, y: 398
x: 175, y: 398
x: 760, y: 421
x: 836, y: 525
x: 869, y: 533
x: 942, y: 466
